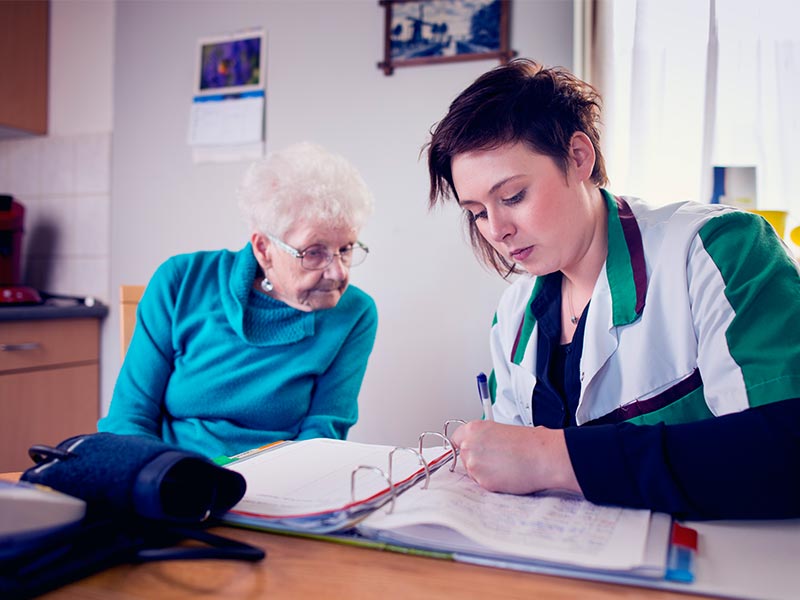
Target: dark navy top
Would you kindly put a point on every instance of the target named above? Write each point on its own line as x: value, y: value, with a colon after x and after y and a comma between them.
x: 558, y: 386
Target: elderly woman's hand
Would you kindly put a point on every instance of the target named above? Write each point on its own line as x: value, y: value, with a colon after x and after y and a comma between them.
x: 515, y: 459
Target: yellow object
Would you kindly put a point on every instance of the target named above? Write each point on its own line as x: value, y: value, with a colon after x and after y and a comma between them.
x: 795, y: 235
x: 776, y: 218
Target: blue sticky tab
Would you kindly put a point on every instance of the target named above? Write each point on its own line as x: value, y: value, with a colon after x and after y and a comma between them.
x: 680, y: 564
x: 682, y: 551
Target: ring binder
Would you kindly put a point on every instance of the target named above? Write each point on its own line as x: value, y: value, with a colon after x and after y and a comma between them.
x: 302, y: 488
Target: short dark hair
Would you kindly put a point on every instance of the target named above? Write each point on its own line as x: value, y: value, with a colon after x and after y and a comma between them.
x: 521, y: 101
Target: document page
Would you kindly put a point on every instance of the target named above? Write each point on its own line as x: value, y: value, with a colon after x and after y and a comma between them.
x: 455, y: 514
x: 300, y: 479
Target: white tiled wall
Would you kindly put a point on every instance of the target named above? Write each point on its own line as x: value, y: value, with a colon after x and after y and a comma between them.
x: 64, y: 184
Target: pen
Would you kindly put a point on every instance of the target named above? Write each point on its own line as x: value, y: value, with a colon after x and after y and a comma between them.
x: 483, y: 394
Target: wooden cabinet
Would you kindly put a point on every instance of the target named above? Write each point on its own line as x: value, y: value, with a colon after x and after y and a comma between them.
x: 49, y: 384
x: 24, y: 46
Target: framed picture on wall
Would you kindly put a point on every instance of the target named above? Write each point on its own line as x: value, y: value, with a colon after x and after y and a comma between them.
x: 231, y: 63
x: 422, y: 32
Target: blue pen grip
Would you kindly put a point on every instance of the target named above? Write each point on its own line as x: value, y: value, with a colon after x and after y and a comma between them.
x: 483, y: 386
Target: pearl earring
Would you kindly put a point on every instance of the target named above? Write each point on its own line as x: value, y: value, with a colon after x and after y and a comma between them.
x: 266, y: 285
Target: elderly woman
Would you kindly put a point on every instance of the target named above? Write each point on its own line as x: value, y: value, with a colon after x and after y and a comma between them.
x: 647, y: 357
x: 234, y: 350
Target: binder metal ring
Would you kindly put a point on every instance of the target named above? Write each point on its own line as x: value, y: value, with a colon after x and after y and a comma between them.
x: 376, y: 470
x: 447, y: 443
x: 449, y: 422
x: 455, y: 450
x: 422, y: 461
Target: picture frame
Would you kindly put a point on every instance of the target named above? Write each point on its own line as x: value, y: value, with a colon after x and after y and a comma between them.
x: 231, y: 63
x: 423, y: 32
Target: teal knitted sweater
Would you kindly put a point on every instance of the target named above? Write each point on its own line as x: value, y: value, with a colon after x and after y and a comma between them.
x: 218, y: 368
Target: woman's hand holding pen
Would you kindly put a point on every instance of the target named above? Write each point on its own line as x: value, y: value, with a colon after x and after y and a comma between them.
x: 515, y: 459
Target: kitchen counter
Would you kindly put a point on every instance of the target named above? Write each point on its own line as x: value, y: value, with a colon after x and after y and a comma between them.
x: 49, y: 376
x: 61, y: 310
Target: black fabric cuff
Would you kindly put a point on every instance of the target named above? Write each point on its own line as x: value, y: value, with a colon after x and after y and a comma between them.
x: 738, y: 466
x: 599, y: 461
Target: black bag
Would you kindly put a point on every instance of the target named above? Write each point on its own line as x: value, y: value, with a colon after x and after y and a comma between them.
x: 142, y: 496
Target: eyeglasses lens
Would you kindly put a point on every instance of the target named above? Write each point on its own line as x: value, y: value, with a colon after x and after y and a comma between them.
x: 319, y: 257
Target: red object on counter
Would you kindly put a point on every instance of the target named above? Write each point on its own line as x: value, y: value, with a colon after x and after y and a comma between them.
x: 12, y: 215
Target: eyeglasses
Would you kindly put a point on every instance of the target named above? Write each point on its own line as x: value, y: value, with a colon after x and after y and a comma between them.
x: 318, y: 257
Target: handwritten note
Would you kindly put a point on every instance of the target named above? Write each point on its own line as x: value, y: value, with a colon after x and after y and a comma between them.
x: 458, y: 514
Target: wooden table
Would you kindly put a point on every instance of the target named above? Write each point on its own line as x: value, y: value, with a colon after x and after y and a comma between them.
x: 303, y: 568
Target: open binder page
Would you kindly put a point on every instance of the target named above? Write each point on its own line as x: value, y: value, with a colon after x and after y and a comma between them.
x: 316, y: 485
x: 455, y: 514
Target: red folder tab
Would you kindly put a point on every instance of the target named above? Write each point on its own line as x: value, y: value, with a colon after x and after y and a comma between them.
x: 684, y: 536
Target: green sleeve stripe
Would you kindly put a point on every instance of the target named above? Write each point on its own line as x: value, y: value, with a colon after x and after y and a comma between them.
x: 692, y: 407
x: 762, y: 286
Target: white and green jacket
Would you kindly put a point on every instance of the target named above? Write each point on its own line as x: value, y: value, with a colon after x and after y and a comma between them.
x: 696, y: 313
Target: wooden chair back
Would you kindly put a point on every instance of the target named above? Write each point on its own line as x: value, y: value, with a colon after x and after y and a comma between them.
x: 129, y: 296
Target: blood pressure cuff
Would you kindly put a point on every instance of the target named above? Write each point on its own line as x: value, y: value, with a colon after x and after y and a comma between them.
x: 136, y: 475
x: 142, y: 496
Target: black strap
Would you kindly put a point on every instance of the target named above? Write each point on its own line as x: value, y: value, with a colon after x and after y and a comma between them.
x: 218, y: 547
x: 79, y: 551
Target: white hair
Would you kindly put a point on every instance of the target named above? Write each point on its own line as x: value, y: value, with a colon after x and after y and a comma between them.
x: 303, y: 182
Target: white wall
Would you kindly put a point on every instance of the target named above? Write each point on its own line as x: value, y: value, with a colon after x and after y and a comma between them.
x: 435, y: 302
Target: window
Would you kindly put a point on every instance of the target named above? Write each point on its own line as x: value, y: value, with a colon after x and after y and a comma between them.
x: 689, y: 84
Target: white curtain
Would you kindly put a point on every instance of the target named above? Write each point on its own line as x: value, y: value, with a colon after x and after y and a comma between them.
x: 688, y: 84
